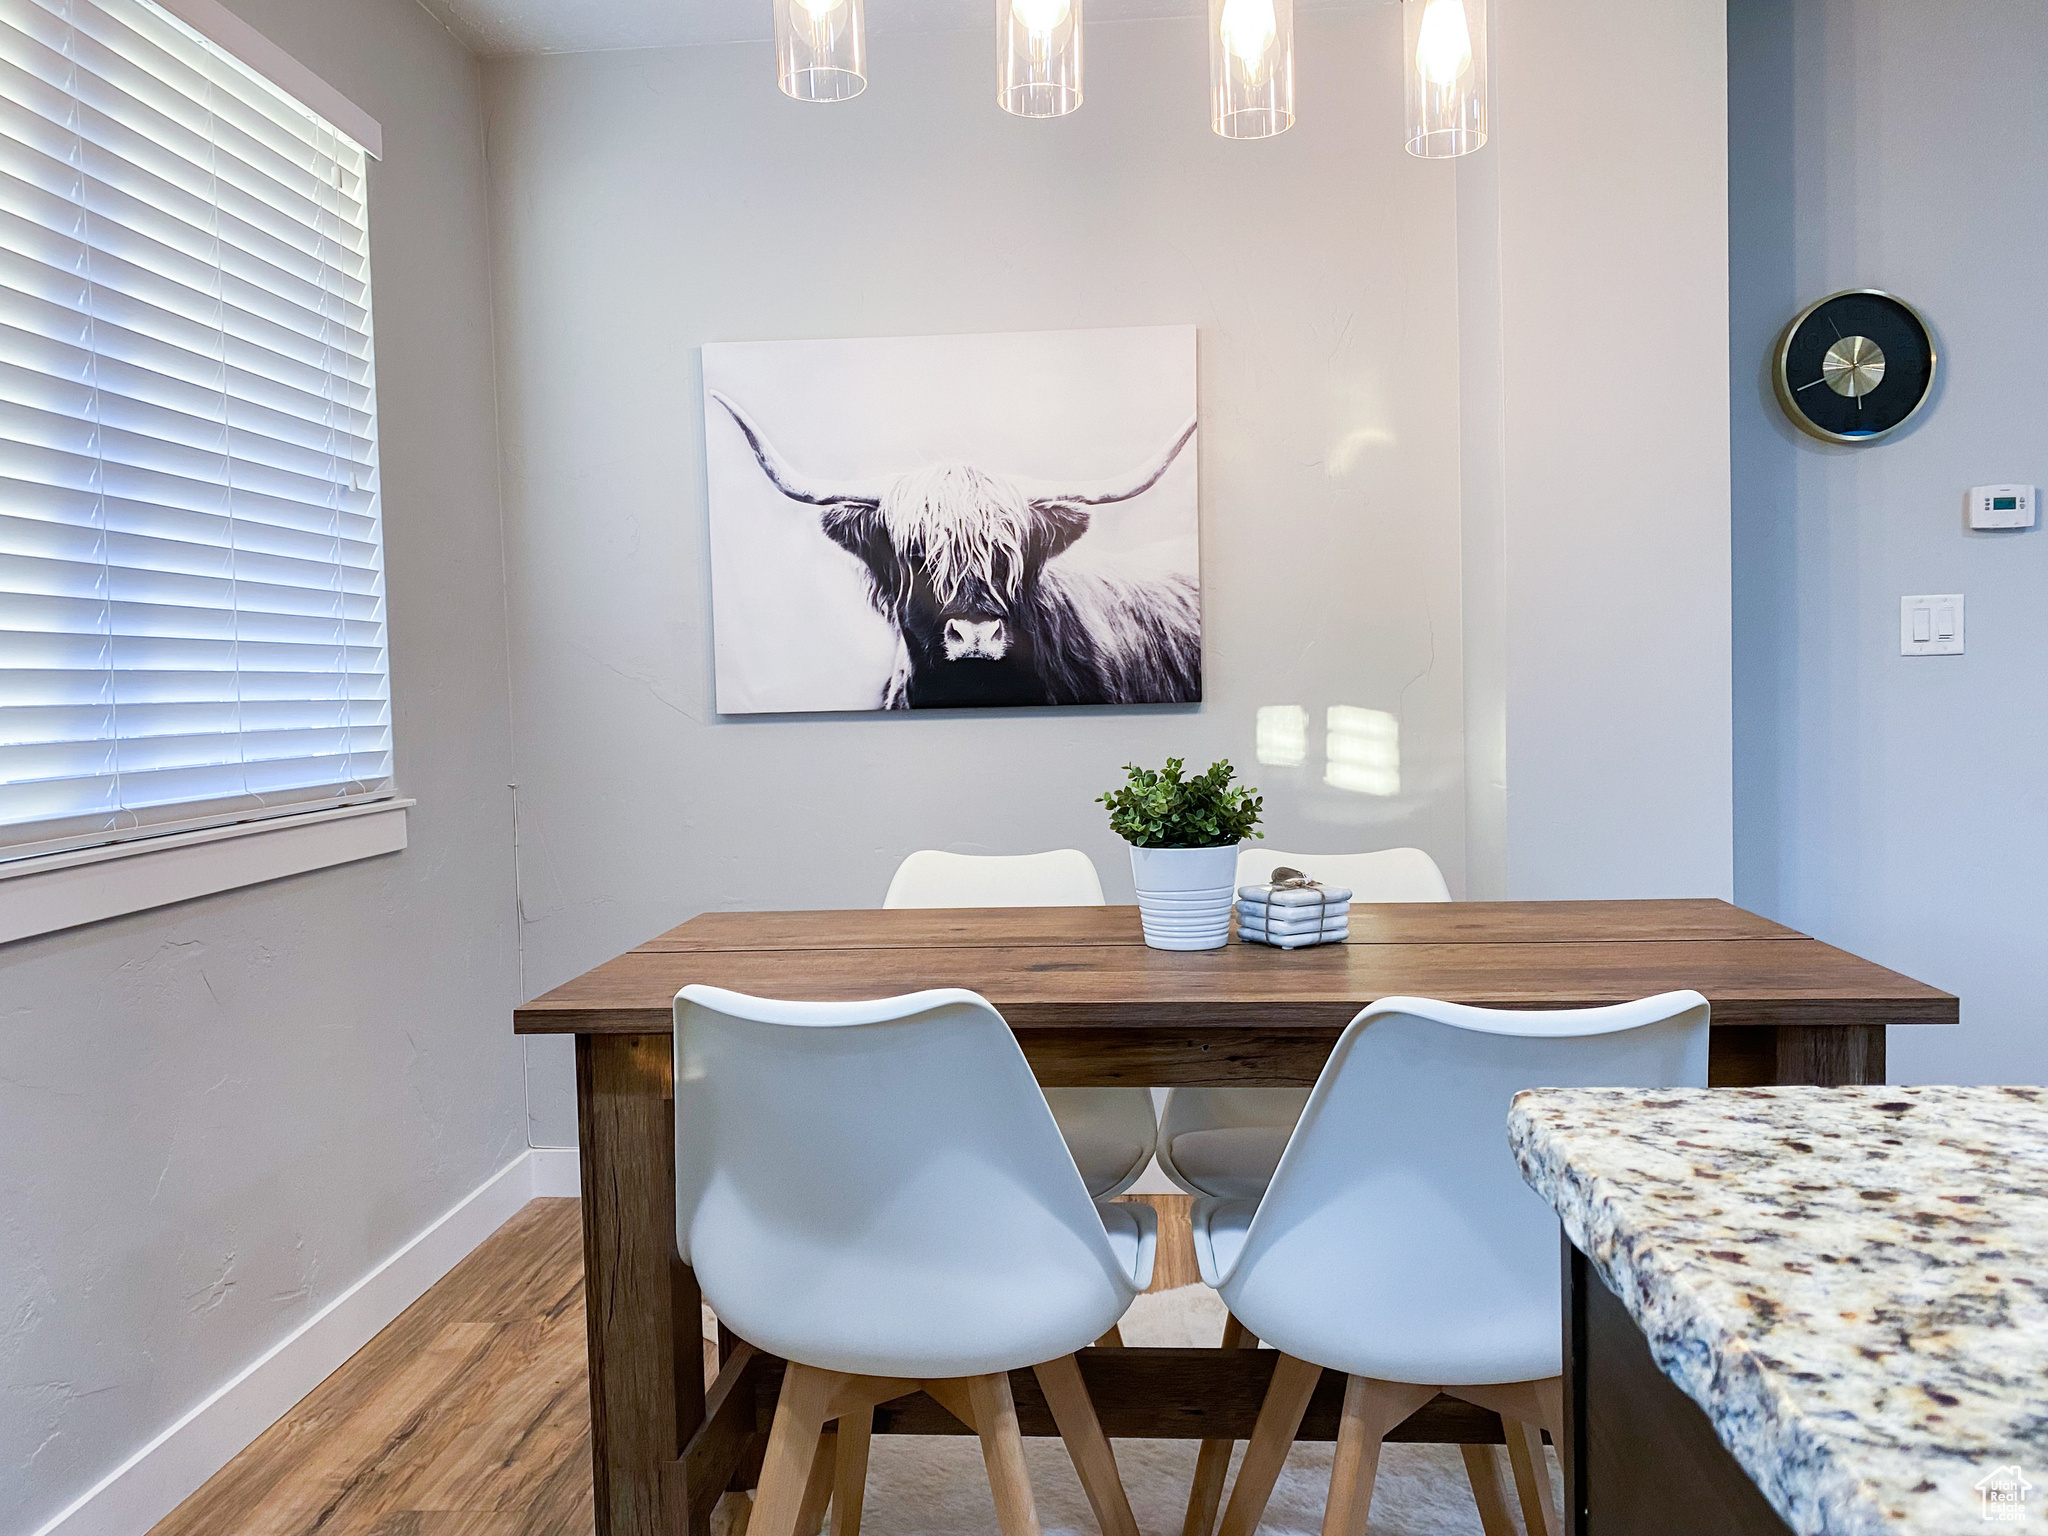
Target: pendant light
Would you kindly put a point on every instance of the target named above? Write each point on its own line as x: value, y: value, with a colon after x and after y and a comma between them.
x: 821, y: 49
x: 1251, y: 67
x: 1445, y: 60
x: 1038, y: 56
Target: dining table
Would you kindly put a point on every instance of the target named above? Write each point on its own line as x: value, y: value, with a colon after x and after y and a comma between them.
x: 1091, y: 1005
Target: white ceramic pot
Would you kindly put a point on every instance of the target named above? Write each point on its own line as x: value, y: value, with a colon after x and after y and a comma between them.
x: 1185, y: 894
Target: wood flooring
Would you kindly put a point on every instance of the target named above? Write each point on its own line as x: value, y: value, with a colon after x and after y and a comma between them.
x: 468, y: 1416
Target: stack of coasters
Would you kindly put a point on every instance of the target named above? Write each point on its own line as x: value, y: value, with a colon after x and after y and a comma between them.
x: 1293, y: 912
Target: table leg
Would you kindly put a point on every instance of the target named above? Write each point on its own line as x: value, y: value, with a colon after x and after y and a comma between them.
x: 646, y: 1358
x: 1830, y: 1055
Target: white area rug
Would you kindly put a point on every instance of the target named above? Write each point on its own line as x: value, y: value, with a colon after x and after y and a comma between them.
x: 934, y: 1485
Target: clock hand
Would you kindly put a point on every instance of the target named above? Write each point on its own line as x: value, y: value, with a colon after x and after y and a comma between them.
x: 1805, y: 387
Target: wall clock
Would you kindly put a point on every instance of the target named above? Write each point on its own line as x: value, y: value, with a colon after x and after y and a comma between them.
x: 1854, y: 366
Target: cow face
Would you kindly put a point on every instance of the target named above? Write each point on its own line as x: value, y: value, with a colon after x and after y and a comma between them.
x: 953, y: 557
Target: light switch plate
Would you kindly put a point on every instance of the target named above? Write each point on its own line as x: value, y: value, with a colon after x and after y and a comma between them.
x: 1931, y: 625
x: 2002, y: 506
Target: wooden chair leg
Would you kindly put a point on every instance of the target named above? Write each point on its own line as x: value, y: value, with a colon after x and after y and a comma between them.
x: 810, y: 1520
x: 1371, y: 1409
x: 731, y: 1515
x: 1294, y: 1383
x: 952, y: 1396
x: 1533, y: 1402
x: 1526, y: 1409
x: 1532, y: 1478
x: 1550, y: 1403
x: 787, y: 1469
x: 1212, y: 1462
x: 850, y: 1474
x: 1482, y: 1467
x: 1002, y: 1452
x: 1114, y: 1339
x: 1073, y: 1410
x: 1205, y: 1497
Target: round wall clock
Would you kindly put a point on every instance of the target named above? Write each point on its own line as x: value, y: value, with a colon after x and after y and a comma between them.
x: 1854, y: 366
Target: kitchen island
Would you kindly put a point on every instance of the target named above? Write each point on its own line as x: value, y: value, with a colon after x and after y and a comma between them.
x: 1814, y: 1310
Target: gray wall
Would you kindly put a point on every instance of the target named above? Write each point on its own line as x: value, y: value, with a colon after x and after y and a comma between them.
x: 216, y: 1116
x: 646, y: 203
x: 1592, y: 242
x: 1894, y: 805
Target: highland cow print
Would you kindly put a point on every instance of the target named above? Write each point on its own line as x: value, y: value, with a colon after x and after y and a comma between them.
x: 954, y: 522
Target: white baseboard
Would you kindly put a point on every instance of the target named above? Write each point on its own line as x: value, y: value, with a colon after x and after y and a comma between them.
x: 170, y: 1468
x: 557, y: 1171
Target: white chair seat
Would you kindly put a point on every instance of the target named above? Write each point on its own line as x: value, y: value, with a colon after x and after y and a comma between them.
x: 1233, y: 1135
x: 1233, y: 1162
x: 1133, y: 1228
x: 1108, y: 1162
x: 1219, y: 1229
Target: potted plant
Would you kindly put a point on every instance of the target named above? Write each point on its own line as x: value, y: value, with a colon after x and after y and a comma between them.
x: 1184, y: 834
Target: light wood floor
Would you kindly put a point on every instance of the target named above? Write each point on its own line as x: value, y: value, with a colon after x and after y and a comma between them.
x: 468, y: 1416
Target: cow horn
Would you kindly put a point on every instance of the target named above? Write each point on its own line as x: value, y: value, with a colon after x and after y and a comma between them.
x: 1096, y: 493
x: 796, y: 487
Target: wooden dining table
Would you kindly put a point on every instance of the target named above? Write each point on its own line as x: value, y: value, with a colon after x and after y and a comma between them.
x: 1091, y: 1005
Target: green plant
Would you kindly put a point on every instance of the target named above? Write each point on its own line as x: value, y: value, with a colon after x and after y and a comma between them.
x: 1162, y: 808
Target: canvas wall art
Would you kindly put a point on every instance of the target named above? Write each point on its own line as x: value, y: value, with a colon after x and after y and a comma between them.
x: 946, y: 522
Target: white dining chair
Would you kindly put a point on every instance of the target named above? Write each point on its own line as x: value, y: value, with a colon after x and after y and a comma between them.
x: 877, y: 1193
x: 1110, y: 1131
x: 1227, y: 1141
x: 1397, y: 1242
x: 931, y: 877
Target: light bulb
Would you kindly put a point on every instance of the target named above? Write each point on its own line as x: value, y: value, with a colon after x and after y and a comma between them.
x: 1248, y: 28
x: 1041, y: 17
x: 1444, y: 50
x: 820, y: 9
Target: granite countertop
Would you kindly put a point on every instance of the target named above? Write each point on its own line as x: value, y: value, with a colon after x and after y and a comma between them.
x: 1849, y: 1281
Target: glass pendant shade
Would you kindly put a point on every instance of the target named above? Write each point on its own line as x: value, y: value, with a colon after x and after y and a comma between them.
x: 1444, y: 56
x: 1251, y: 67
x: 821, y: 49
x: 1038, y: 56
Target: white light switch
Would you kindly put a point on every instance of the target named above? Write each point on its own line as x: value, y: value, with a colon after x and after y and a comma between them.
x: 2002, y: 506
x: 1931, y: 625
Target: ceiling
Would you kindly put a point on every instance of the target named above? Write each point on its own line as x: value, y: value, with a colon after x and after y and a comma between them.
x: 580, y: 26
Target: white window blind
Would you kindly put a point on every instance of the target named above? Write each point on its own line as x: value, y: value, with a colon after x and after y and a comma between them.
x: 191, y: 565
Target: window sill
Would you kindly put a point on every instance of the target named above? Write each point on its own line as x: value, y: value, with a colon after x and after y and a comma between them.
x: 89, y: 885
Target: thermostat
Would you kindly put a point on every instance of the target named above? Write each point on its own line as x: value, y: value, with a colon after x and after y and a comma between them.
x: 2002, y: 506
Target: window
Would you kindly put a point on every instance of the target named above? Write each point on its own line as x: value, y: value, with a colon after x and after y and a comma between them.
x: 191, y: 557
